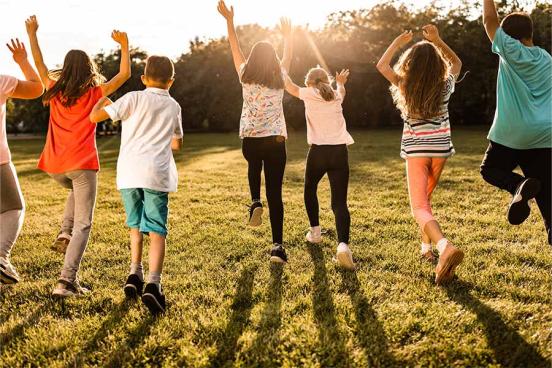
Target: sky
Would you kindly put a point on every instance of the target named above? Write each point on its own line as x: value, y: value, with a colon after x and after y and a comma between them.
x: 157, y: 26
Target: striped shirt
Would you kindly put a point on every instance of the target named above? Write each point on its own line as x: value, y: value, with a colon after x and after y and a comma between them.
x: 430, y: 137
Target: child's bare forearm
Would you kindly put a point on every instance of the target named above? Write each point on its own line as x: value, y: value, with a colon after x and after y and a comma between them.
x: 176, y: 144
x: 449, y: 53
x: 124, y: 66
x: 387, y: 56
x: 28, y: 71
x: 489, y: 12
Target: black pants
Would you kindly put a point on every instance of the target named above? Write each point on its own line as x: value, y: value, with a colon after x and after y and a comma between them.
x: 333, y: 160
x: 270, y: 152
x: 500, y: 161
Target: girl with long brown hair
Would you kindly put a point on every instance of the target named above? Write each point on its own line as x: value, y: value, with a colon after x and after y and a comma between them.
x: 422, y: 82
x: 262, y: 124
x: 70, y: 155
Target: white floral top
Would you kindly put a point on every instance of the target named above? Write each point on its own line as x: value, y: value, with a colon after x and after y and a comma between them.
x: 262, y: 112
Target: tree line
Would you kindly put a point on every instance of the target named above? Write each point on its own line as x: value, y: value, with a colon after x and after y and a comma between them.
x: 209, y: 92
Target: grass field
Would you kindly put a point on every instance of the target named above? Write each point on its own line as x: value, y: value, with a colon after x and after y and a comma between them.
x: 229, y: 307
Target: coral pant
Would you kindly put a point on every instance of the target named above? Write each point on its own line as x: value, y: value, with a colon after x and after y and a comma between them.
x: 423, y: 174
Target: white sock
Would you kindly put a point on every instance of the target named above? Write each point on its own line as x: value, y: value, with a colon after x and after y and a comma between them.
x: 137, y: 269
x: 426, y: 247
x: 154, y: 277
x: 441, y: 245
x: 10, y: 226
x: 315, y: 230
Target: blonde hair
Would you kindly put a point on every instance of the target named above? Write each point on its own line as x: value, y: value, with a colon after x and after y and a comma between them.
x: 422, y: 72
x: 321, y: 80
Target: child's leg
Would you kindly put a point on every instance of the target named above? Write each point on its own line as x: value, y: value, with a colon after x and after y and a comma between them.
x: 498, y: 166
x: 437, y: 166
x: 156, y: 257
x: 69, y: 212
x: 314, y: 172
x: 12, y: 209
x: 275, y: 165
x: 154, y: 222
x: 339, y: 184
x: 133, y: 201
x: 251, y: 153
x: 136, y: 246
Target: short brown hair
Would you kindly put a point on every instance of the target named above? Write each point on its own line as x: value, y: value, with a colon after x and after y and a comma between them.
x: 159, y: 69
x: 518, y: 25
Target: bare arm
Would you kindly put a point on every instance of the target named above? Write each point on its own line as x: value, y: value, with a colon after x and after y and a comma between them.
x: 32, y: 27
x: 124, y: 67
x: 31, y: 87
x: 384, y: 64
x: 431, y: 33
x: 490, y: 18
x: 98, y: 113
x: 176, y: 144
x: 287, y: 32
x: 341, y: 79
x: 237, y: 53
x: 291, y: 88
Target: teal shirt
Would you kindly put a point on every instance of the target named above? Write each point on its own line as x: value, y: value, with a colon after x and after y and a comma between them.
x: 523, y: 118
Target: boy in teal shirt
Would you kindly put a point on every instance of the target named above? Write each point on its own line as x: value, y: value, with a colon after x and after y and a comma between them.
x: 521, y: 134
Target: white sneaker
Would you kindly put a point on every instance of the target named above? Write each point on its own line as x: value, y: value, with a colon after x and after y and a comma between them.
x: 314, y: 235
x: 344, y: 256
x: 66, y: 289
x: 8, y: 274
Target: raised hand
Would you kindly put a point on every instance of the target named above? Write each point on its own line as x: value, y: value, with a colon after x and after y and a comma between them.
x: 342, y: 76
x: 31, y: 24
x: 120, y: 37
x: 18, y: 51
x: 431, y: 33
x: 403, y: 38
x: 228, y: 14
x: 285, y: 27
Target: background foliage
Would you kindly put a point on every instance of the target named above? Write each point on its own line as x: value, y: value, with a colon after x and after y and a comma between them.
x: 209, y: 92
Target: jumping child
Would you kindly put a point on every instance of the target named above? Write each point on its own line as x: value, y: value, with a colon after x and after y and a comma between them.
x: 422, y: 84
x: 12, y: 205
x: 262, y: 125
x: 146, y: 171
x: 70, y: 155
x: 328, y: 139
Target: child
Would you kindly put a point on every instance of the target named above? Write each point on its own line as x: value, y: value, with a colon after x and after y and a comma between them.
x: 521, y: 134
x: 328, y: 139
x: 262, y: 125
x: 146, y: 171
x: 12, y: 205
x: 422, y: 83
x: 70, y: 156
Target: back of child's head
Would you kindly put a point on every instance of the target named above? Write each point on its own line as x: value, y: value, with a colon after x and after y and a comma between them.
x: 321, y: 80
x: 518, y: 25
x: 159, y: 69
x: 422, y: 72
x: 263, y: 67
x: 78, y: 74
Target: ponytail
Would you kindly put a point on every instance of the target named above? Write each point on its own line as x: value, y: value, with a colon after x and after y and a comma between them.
x: 325, y: 89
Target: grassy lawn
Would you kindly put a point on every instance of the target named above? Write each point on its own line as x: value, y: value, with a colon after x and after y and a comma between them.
x: 229, y: 307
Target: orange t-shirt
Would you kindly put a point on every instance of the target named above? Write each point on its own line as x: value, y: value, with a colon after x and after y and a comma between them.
x: 71, y: 140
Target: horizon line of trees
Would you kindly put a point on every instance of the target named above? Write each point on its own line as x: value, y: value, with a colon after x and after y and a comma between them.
x: 209, y: 92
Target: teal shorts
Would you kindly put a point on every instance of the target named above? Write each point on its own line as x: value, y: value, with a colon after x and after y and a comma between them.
x: 146, y: 210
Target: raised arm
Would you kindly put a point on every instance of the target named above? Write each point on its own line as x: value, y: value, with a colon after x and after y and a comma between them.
x: 124, y: 67
x: 291, y: 88
x: 431, y: 33
x: 31, y: 24
x: 341, y: 80
x: 384, y: 64
x: 490, y: 18
x: 98, y: 113
x: 237, y: 53
x: 31, y: 87
x: 287, y: 32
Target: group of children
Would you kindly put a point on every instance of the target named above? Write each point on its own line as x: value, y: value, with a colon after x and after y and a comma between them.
x: 422, y: 82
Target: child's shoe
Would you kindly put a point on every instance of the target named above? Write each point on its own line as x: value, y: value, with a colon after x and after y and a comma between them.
x: 154, y: 299
x: 66, y: 289
x: 8, y: 274
x: 278, y: 254
x: 344, y: 257
x: 133, y: 287
x: 314, y: 235
x: 256, y: 214
x: 449, y: 259
x: 519, y: 208
x: 61, y: 243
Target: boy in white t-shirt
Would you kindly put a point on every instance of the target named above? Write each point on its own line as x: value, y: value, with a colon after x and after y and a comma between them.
x: 146, y: 170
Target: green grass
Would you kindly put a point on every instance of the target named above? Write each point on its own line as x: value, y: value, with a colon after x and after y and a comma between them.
x: 229, y: 307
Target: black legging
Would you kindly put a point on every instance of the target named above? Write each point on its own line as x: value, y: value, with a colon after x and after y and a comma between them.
x: 333, y: 160
x: 270, y: 151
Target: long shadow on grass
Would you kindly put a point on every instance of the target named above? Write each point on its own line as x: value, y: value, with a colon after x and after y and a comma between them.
x: 510, y: 348
x: 332, y: 351
x: 241, y: 310
x: 262, y: 351
x: 369, y: 330
x: 18, y: 331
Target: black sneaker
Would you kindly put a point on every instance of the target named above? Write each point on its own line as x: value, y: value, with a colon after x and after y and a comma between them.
x: 154, y: 298
x: 256, y: 214
x: 519, y: 207
x: 278, y: 254
x: 133, y: 286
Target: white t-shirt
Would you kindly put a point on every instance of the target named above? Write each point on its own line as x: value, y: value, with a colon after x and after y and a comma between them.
x: 150, y: 119
x: 325, y: 121
x: 262, y: 112
x: 7, y: 86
